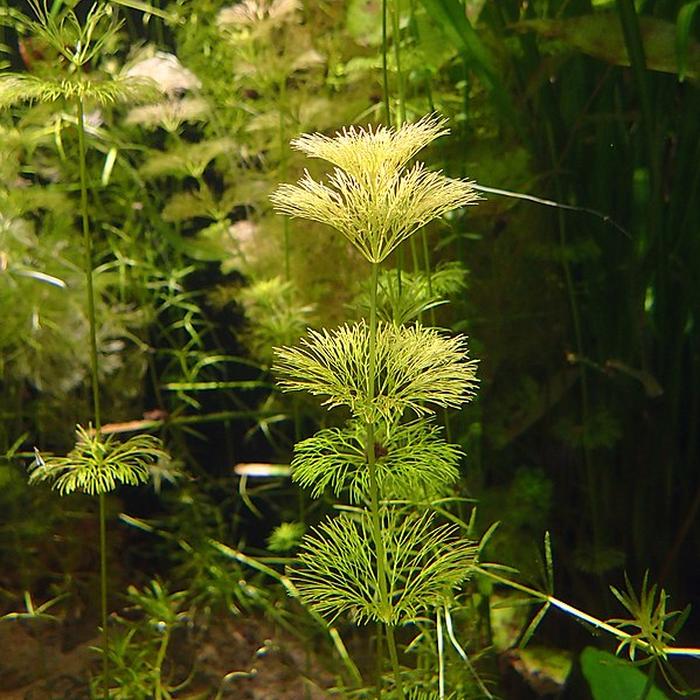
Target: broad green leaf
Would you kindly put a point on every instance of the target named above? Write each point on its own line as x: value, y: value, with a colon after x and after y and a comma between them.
x: 364, y: 22
x: 451, y: 17
x: 148, y: 9
x: 601, y: 36
x: 611, y: 677
x: 683, y: 27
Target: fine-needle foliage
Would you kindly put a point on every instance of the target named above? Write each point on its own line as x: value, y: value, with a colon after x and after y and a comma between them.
x: 413, y: 461
x: 403, y: 297
x: 423, y: 565
x: 31, y: 88
x: 380, y: 563
x: 368, y: 154
x: 94, y: 466
x: 650, y: 629
x: 371, y: 197
x: 97, y: 464
x: 78, y: 43
x: 416, y: 368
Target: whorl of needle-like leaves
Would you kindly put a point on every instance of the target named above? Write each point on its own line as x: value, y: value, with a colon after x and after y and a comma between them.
x: 366, y: 153
x: 412, y: 461
x: 371, y: 197
x: 98, y: 464
x: 18, y: 87
x: 403, y: 297
x: 337, y: 571
x: 416, y: 368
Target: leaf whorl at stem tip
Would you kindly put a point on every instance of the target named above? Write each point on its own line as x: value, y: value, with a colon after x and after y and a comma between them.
x: 98, y: 464
x: 372, y: 197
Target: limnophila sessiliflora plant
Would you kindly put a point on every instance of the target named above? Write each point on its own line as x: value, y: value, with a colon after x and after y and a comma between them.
x: 98, y: 463
x: 381, y: 560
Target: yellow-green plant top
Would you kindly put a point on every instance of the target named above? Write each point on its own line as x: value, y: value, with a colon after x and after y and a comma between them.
x: 371, y: 196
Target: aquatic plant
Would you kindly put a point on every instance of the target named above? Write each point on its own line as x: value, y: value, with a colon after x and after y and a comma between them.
x: 96, y: 465
x: 378, y: 562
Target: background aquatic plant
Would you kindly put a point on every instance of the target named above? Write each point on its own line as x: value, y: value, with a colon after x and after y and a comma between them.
x: 94, y: 466
x: 97, y: 465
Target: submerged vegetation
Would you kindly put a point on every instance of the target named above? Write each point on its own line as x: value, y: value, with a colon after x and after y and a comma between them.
x: 337, y: 496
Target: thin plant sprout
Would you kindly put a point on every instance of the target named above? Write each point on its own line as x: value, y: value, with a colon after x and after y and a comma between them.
x: 383, y: 565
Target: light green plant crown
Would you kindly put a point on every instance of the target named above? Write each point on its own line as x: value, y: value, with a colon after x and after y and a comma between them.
x: 371, y: 197
x: 382, y: 560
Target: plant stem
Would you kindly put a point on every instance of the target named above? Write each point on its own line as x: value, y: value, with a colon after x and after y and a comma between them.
x: 591, y: 475
x: 158, y: 695
x: 385, y: 604
x: 103, y: 595
x: 649, y: 683
x: 87, y: 242
x: 396, y: 36
x: 385, y: 68
x: 585, y: 617
x: 283, y: 170
x: 94, y: 374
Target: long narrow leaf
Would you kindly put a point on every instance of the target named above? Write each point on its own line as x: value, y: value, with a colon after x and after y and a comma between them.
x: 452, y: 20
x: 683, y: 26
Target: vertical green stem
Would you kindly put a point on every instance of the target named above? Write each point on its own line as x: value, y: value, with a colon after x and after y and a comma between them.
x: 283, y: 170
x: 385, y: 68
x: 385, y: 606
x: 396, y: 35
x: 578, y: 339
x: 103, y: 596
x: 87, y: 242
x: 649, y: 683
x: 157, y: 671
x: 92, y: 320
x: 379, y: 660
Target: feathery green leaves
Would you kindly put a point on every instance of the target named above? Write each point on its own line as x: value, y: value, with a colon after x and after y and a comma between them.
x: 189, y: 159
x: 371, y: 197
x: 413, y: 461
x: 415, y: 367
x: 648, y: 626
x: 79, y: 42
x: 368, y: 154
x: 98, y: 464
x: 276, y: 315
x: 404, y: 299
x: 18, y: 87
x: 337, y: 571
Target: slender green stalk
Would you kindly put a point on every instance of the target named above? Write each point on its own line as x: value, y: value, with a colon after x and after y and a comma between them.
x: 396, y: 31
x: 87, y: 242
x: 374, y: 488
x: 92, y: 320
x: 385, y: 68
x: 378, y: 660
x: 441, y: 656
x: 157, y: 671
x: 103, y: 594
x: 649, y: 683
x: 578, y: 339
x: 283, y: 171
x: 393, y: 655
x: 585, y: 617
